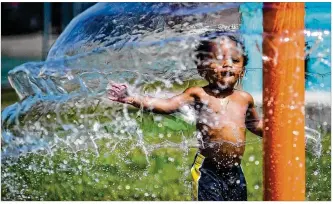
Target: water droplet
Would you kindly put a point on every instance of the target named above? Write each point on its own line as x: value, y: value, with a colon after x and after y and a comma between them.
x: 96, y: 127
x: 257, y: 162
x: 251, y: 158
x: 265, y: 58
x: 171, y: 159
x: 256, y: 187
x: 314, y: 34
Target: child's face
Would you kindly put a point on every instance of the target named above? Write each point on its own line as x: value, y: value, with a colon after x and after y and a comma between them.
x: 224, y: 65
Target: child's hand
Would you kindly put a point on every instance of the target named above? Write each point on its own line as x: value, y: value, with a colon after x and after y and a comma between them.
x: 117, y: 92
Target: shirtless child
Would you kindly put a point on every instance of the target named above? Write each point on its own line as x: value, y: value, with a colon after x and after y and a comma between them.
x: 223, y: 113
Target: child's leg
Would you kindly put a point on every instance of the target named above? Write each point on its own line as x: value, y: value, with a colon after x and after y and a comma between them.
x: 236, y: 185
x: 206, y: 184
x: 211, y: 188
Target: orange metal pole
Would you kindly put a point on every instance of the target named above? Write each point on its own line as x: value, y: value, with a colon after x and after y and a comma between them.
x: 283, y: 106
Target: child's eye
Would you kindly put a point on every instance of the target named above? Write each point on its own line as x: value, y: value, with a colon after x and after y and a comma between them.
x: 235, y: 60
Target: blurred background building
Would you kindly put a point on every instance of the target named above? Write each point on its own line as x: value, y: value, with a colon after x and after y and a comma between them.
x: 27, y: 32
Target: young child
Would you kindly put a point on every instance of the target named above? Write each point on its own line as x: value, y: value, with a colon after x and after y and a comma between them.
x: 223, y: 113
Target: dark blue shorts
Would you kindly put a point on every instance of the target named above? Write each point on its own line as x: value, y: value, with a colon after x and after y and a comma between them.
x: 211, y: 184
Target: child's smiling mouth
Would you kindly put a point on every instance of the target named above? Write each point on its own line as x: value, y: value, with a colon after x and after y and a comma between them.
x: 227, y: 74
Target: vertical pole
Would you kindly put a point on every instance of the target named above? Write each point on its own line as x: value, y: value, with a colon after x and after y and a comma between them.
x: 283, y: 101
x: 76, y: 8
x: 65, y: 15
x: 47, y: 28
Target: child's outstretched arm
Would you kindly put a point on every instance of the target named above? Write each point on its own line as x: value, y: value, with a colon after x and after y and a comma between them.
x: 252, y: 121
x: 118, y: 92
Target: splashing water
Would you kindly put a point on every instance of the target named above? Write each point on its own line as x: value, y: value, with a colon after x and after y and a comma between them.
x: 65, y: 125
x: 313, y: 141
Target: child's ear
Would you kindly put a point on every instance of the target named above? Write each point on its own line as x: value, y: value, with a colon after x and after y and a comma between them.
x: 242, y: 73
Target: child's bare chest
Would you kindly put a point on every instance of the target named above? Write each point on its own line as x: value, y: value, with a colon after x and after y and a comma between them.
x: 221, y: 112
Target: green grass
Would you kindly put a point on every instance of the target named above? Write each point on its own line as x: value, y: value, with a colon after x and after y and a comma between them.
x: 124, y: 174
x: 252, y: 167
x: 8, y: 97
x: 318, y: 173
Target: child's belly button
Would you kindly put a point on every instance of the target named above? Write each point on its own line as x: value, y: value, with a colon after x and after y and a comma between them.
x: 227, y: 134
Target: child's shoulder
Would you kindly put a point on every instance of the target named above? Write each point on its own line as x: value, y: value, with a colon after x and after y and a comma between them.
x: 195, y: 90
x: 244, y: 95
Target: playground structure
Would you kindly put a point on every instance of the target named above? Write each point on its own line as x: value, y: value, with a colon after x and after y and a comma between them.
x: 283, y: 101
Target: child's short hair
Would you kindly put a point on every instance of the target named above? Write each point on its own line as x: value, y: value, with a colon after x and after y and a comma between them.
x: 205, y: 46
